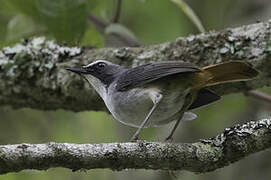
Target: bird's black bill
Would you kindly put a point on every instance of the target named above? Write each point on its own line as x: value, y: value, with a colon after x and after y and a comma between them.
x: 78, y: 70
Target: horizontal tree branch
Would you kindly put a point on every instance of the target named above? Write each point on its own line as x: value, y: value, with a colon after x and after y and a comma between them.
x: 260, y: 95
x: 33, y: 72
x: 207, y: 155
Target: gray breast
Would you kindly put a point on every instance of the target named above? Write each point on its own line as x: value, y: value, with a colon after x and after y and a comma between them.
x: 132, y: 106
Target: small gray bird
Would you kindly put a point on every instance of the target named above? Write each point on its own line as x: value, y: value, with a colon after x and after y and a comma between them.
x: 155, y: 94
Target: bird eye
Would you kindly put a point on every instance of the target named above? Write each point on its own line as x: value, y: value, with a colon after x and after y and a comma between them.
x: 101, y: 65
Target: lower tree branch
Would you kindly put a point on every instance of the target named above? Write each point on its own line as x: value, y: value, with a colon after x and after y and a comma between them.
x: 207, y: 155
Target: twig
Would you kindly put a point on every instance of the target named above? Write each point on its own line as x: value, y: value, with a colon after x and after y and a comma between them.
x: 100, y: 23
x: 260, y: 95
x: 117, y: 12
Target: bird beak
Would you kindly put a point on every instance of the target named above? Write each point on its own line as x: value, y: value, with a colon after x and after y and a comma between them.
x: 78, y: 70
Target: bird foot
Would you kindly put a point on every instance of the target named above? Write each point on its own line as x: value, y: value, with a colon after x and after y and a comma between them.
x: 134, y: 138
x: 172, y: 174
x: 169, y: 139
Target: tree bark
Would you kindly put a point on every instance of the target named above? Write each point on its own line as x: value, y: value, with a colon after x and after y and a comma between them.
x: 207, y: 155
x: 33, y: 72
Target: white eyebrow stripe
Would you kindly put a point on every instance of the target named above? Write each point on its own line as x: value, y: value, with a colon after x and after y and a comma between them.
x: 86, y: 66
x: 95, y: 62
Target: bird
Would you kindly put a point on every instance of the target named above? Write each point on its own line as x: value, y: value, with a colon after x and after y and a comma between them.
x: 157, y: 93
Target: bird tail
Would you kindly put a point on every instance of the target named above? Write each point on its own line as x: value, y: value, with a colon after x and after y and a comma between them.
x: 230, y: 71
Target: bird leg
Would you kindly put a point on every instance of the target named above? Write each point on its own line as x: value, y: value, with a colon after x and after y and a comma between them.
x: 169, y: 138
x: 156, y: 101
x: 188, y: 102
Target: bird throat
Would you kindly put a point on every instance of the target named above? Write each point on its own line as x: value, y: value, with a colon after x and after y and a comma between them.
x: 97, y: 85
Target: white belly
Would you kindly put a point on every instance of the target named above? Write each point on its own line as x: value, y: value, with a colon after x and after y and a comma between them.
x: 132, y: 106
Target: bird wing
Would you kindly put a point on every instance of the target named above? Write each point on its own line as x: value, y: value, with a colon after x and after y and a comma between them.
x: 204, y: 97
x: 147, y: 73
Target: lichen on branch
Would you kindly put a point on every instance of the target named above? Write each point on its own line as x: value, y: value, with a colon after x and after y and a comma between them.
x: 206, y: 155
x: 33, y: 71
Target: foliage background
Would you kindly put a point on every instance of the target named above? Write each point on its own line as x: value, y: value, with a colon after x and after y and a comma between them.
x: 150, y: 22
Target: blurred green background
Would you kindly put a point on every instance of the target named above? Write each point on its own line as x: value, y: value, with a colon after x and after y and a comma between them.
x: 150, y: 22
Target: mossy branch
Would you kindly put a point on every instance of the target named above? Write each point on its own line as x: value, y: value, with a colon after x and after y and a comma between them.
x: 207, y: 155
x: 33, y: 72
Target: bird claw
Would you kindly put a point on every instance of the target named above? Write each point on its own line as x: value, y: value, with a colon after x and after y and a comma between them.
x: 134, y: 139
x: 169, y: 139
x: 172, y: 174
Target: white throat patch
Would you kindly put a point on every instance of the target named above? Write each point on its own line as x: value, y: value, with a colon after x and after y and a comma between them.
x: 97, y: 85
